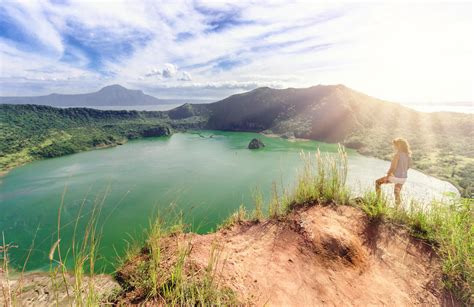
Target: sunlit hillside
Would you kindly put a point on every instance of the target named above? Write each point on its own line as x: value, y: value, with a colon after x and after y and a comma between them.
x: 441, y: 141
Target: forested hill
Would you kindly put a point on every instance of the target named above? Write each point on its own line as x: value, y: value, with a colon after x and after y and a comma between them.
x: 30, y: 132
x: 441, y: 142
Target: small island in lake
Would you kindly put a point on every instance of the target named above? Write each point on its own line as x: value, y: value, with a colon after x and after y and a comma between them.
x: 256, y: 144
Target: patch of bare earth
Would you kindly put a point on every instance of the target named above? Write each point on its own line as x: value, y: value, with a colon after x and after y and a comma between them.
x: 39, y: 289
x: 321, y: 255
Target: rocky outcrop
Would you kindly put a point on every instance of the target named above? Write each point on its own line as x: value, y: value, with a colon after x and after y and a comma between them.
x: 157, y: 131
x: 256, y: 144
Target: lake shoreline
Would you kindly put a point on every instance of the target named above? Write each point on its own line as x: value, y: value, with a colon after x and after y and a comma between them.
x: 4, y: 172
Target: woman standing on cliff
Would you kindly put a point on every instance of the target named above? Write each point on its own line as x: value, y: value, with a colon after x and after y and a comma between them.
x: 397, y: 173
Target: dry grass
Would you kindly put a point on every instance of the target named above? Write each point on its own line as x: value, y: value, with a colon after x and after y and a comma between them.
x: 161, y: 273
x: 64, y: 278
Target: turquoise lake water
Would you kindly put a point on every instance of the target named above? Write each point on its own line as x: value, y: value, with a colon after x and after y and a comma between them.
x: 207, y: 175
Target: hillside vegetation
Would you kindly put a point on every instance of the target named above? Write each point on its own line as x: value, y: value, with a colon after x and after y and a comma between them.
x: 31, y: 132
x: 441, y: 142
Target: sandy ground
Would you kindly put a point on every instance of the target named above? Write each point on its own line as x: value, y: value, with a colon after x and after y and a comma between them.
x: 316, y: 256
x: 324, y: 255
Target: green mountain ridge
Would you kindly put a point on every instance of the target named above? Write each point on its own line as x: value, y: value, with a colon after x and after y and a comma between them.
x: 441, y: 142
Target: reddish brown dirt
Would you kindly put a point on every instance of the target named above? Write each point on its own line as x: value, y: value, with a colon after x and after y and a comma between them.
x: 324, y: 255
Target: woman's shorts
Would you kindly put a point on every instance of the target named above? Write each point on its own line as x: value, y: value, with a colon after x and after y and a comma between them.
x: 396, y: 180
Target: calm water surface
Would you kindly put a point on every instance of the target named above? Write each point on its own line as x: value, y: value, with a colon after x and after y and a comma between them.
x: 207, y: 175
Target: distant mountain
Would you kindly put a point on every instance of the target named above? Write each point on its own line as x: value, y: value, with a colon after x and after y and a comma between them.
x: 113, y: 95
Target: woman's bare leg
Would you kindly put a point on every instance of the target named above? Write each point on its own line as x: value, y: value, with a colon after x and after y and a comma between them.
x: 396, y: 190
x: 378, y: 183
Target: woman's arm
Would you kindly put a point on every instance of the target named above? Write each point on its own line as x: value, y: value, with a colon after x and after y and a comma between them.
x: 393, y: 165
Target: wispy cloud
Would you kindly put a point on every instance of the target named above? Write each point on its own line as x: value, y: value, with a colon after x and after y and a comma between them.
x: 404, y: 51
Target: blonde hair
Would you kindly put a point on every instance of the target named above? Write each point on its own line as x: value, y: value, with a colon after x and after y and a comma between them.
x: 402, y: 145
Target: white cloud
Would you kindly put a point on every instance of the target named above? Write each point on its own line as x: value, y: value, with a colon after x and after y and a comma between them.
x: 153, y: 72
x: 169, y: 71
x: 404, y: 51
x: 185, y: 76
x: 32, y: 20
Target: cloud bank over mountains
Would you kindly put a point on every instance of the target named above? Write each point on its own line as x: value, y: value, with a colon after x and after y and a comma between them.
x: 176, y: 49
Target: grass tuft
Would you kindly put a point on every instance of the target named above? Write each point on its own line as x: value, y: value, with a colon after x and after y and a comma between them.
x: 240, y: 215
x: 322, y: 179
x: 259, y: 203
x: 162, y: 272
x: 375, y: 207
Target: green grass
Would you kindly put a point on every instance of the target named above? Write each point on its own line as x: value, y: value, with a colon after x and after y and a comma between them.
x: 241, y: 215
x: 322, y: 179
x: 449, y: 227
x: 375, y: 207
x: 162, y: 272
x: 259, y: 203
x: 6, y: 288
x: 64, y: 278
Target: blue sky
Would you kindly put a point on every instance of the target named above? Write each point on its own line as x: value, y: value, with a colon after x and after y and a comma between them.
x: 406, y: 51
